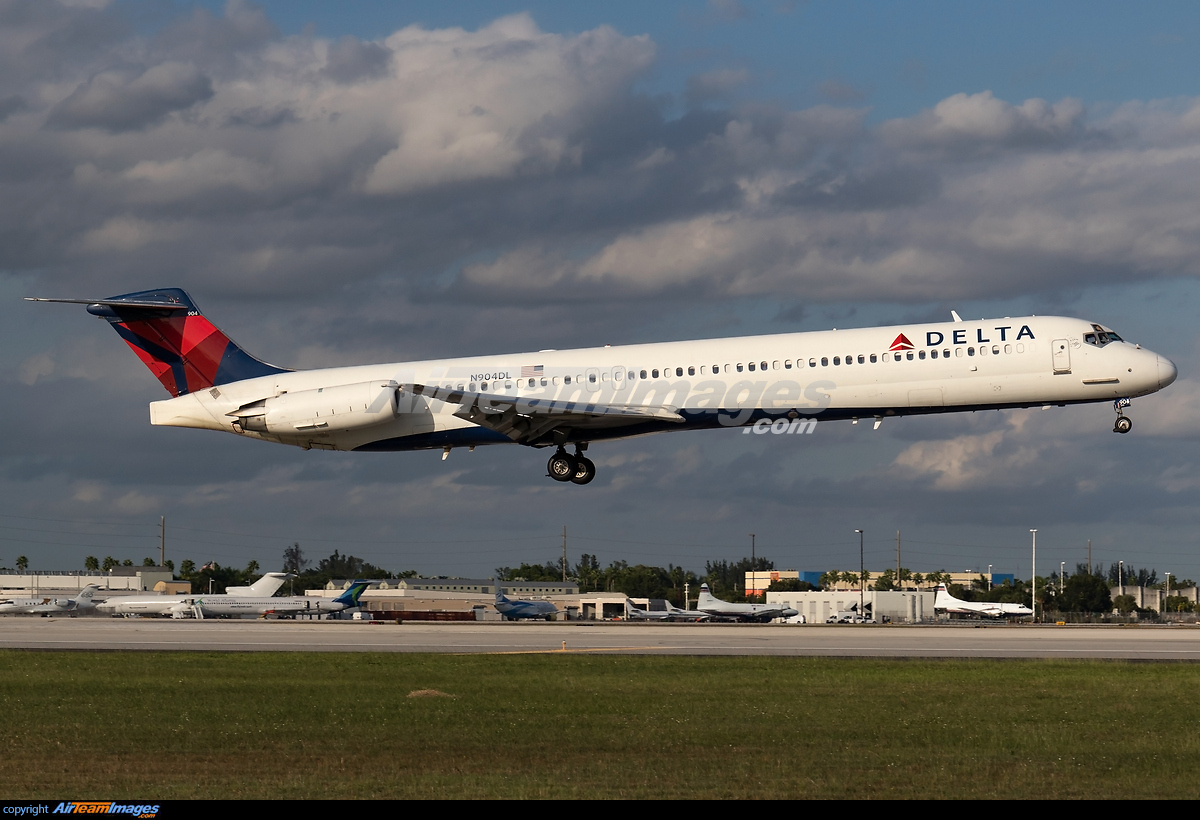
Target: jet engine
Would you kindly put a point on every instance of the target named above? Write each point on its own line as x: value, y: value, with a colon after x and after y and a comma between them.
x: 326, y: 409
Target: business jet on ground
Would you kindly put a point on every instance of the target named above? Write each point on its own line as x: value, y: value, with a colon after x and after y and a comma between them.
x: 517, y: 610
x: 742, y: 612
x: 571, y: 398
x: 946, y: 602
x: 264, y: 587
x: 51, y: 606
x: 671, y: 613
x: 208, y: 606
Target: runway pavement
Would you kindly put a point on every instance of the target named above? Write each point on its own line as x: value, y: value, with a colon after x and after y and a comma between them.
x: 892, y: 641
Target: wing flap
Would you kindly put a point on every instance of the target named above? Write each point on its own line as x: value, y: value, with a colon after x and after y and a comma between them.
x: 526, y: 419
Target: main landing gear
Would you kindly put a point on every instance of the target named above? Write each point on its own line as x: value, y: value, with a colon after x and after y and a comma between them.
x: 1124, y: 423
x: 577, y: 468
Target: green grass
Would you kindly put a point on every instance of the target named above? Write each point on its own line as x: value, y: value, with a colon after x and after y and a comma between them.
x: 285, y: 725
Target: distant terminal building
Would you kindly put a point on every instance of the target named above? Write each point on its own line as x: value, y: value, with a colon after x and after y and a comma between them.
x: 125, y: 579
x: 758, y: 582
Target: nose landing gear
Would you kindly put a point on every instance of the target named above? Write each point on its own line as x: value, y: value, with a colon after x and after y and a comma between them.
x: 1124, y: 424
x: 576, y: 468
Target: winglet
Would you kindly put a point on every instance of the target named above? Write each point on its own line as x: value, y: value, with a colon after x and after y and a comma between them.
x: 957, y: 318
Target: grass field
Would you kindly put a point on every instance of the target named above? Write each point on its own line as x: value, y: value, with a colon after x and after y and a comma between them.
x: 286, y: 725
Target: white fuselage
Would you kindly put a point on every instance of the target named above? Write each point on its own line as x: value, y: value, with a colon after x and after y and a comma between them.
x: 227, y: 605
x: 827, y: 375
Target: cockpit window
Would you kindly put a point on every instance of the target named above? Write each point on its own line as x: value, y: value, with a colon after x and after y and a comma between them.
x: 1101, y: 337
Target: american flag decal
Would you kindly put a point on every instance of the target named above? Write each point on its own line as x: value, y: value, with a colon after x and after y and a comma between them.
x: 531, y: 370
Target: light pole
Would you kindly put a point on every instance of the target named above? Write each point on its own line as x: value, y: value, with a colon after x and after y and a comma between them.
x: 1121, y: 576
x: 1168, y: 592
x: 989, y: 577
x: 1033, y: 579
x: 1062, y: 567
x: 862, y: 570
x: 753, y: 565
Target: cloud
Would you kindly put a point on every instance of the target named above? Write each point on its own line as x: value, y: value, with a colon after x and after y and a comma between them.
x: 125, y: 101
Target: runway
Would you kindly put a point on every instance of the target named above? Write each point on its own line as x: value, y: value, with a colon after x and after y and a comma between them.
x: 1180, y: 643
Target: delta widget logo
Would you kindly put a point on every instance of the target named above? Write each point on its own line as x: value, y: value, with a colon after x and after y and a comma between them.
x: 901, y: 343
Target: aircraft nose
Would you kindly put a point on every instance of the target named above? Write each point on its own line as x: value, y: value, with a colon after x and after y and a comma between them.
x: 1166, y: 372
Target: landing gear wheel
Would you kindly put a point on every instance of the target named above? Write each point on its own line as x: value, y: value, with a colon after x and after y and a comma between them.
x: 1124, y: 424
x: 562, y: 466
x: 585, y: 470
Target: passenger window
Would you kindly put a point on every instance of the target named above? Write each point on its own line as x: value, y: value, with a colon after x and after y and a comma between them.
x: 933, y: 354
x: 1008, y: 348
x: 1020, y: 347
x: 996, y: 350
x: 483, y: 386
x: 591, y: 378
x: 946, y: 353
x: 739, y: 367
x: 887, y: 357
x: 471, y: 387
x: 642, y: 374
x: 751, y: 366
x: 958, y: 352
x: 566, y: 380
x: 837, y: 360
x: 508, y: 385
x: 787, y: 364
x: 764, y: 366
x: 543, y: 381
x: 824, y: 362
x: 983, y: 351
x: 679, y: 371
x: 909, y: 356
x: 532, y: 383
x: 849, y: 360
x: 861, y: 360
x: 692, y: 371
x: 970, y: 351
x: 873, y: 358
x: 812, y: 362
x: 703, y: 370
x: 654, y: 373
x: 921, y: 355
x: 603, y: 377
x: 555, y: 380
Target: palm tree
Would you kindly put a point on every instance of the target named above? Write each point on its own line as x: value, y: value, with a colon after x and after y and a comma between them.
x: 22, y: 563
x: 91, y: 564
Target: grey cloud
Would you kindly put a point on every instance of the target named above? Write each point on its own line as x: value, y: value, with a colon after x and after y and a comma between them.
x: 350, y: 59
x: 119, y: 100
x: 837, y: 91
x: 11, y: 105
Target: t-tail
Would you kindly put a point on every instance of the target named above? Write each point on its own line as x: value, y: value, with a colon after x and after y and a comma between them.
x: 350, y: 597
x: 166, y: 330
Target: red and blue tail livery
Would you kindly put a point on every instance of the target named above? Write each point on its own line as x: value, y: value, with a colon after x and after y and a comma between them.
x: 185, y: 351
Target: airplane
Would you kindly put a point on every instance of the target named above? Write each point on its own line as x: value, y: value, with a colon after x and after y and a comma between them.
x: 783, y: 383
x: 205, y: 606
x: 945, y: 601
x: 264, y: 587
x: 516, y: 610
x: 51, y: 606
x: 671, y: 613
x: 743, y: 612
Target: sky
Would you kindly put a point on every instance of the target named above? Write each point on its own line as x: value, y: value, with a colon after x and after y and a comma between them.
x: 339, y: 184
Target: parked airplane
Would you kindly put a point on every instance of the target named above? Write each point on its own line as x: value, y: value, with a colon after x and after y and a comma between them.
x: 571, y: 398
x: 943, y: 600
x: 743, y: 612
x: 207, y: 606
x: 264, y: 587
x: 671, y: 613
x: 51, y: 606
x: 515, y: 610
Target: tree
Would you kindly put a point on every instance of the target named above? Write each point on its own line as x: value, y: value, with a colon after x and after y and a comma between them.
x: 294, y: 560
x: 187, y: 569
x: 1085, y: 593
x: 252, y: 568
x: 91, y: 564
x: 127, y: 563
x: 830, y: 579
x: 149, y: 562
x: 1125, y: 604
x: 169, y: 564
x: 886, y: 581
x: 109, y: 563
x: 22, y: 563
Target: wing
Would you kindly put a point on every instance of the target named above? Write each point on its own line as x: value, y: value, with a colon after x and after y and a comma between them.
x: 530, y: 420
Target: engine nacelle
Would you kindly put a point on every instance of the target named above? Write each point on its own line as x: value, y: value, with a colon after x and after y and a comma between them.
x: 324, y: 410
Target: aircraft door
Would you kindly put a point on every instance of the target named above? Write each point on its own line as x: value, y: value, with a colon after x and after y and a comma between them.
x: 591, y: 377
x: 1061, y: 349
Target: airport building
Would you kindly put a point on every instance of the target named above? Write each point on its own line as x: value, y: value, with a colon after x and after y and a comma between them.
x: 125, y: 579
x: 911, y: 607
x: 758, y: 582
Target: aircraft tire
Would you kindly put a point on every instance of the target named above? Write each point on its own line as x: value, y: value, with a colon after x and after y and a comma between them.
x: 562, y: 466
x: 585, y: 470
x: 1124, y: 425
